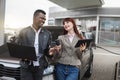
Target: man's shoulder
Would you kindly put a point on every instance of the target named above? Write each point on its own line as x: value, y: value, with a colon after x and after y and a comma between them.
x: 26, y: 28
x: 46, y: 31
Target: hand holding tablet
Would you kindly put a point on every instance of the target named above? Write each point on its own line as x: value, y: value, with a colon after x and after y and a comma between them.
x: 84, y: 41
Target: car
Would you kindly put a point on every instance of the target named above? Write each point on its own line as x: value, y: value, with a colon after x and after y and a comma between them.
x: 10, y: 67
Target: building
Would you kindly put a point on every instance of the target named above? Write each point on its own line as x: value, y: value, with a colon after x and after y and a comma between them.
x: 105, y: 22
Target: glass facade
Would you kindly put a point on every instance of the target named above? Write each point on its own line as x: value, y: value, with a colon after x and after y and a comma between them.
x: 109, y: 31
x: 106, y: 29
x: 86, y: 24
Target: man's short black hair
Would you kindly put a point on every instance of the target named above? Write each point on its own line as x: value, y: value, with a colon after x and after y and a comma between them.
x: 39, y: 11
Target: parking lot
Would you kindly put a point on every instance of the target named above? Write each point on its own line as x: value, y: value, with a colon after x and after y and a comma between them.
x: 103, y: 65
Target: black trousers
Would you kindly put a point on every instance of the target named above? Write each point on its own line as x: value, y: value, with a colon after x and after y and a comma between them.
x: 32, y: 73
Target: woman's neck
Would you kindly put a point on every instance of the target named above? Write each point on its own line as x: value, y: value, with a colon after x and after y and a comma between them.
x: 71, y: 32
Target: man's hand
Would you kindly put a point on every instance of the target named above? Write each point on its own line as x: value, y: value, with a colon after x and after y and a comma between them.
x: 51, y: 51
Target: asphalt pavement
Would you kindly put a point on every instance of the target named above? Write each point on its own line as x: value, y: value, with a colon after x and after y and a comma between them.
x: 105, y: 59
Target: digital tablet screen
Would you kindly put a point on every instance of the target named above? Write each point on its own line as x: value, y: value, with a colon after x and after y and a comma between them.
x: 80, y: 42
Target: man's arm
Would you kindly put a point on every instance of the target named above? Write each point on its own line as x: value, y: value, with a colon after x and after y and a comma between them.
x: 46, y: 51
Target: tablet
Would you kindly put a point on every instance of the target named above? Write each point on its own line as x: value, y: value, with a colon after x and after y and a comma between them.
x: 80, y: 42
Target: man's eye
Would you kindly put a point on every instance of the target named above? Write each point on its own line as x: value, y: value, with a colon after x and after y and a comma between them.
x: 42, y: 18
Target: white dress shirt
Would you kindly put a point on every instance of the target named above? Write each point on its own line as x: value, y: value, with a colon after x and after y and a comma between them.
x: 36, y: 45
x: 71, y: 36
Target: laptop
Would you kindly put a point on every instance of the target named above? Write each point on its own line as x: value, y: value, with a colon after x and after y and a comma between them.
x: 21, y: 51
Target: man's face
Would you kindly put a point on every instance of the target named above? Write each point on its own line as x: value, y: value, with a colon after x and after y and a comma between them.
x: 39, y: 19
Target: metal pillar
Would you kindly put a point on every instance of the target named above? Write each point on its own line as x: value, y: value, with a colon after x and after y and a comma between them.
x: 2, y: 18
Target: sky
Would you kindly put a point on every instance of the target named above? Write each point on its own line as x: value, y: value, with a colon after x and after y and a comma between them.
x: 19, y: 13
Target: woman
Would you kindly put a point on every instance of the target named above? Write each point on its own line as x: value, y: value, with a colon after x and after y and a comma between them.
x: 68, y: 58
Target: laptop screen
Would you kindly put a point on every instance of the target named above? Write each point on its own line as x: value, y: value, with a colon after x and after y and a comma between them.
x: 21, y: 51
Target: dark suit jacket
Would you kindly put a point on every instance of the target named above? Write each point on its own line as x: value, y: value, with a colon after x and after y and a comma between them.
x: 27, y: 37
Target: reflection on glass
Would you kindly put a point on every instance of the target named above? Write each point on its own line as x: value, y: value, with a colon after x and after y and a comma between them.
x: 109, y: 31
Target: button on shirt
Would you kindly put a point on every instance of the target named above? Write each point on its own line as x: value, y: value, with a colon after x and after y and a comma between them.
x: 36, y: 45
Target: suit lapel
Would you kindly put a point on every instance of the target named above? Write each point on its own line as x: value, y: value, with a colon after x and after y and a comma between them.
x: 75, y: 39
x: 67, y: 41
x: 41, y: 37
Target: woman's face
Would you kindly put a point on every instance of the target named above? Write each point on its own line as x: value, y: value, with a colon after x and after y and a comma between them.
x: 68, y: 26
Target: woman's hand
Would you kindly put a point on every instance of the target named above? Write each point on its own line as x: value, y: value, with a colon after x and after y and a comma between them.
x: 57, y: 48
x: 82, y: 47
x: 54, y: 49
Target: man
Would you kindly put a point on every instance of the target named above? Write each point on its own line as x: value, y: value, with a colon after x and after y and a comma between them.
x: 40, y: 38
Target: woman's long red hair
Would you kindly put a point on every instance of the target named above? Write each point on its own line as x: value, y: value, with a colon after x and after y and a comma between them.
x: 74, y: 27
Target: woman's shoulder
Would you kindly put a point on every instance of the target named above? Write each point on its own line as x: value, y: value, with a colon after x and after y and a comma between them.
x: 60, y: 36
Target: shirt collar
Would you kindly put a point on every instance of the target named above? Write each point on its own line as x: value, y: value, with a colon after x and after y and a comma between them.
x: 71, y: 35
x: 35, y: 30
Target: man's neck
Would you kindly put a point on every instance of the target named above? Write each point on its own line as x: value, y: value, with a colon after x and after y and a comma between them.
x: 36, y: 27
